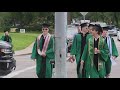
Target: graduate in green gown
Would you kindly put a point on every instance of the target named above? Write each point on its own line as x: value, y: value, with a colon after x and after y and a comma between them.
x: 113, y: 52
x: 77, y: 48
x: 95, y: 55
x: 43, y: 53
x: 6, y: 37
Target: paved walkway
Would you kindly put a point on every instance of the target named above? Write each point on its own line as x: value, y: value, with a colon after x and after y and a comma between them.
x: 25, y: 51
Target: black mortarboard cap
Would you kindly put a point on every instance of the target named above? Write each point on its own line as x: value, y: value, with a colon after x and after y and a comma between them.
x: 77, y: 25
x: 84, y: 25
x: 90, y: 25
x: 106, y: 28
x: 98, y: 27
x: 45, y: 25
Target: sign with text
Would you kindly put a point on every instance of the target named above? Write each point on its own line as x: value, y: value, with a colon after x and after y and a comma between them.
x: 22, y: 30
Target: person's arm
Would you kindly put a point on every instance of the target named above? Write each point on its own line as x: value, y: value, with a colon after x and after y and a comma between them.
x: 74, y: 46
x: 114, y: 48
x: 104, y: 52
x: 2, y: 38
x: 85, y: 54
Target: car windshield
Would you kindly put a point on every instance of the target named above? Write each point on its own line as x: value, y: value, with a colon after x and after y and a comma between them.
x: 111, y: 27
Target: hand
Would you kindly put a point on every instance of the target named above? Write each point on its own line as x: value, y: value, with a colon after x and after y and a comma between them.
x: 113, y: 57
x: 39, y: 52
x: 34, y: 59
x: 43, y: 54
x: 82, y: 62
x: 71, y: 59
x: 96, y: 51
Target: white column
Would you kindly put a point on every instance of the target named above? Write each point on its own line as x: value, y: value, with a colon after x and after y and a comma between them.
x: 60, y: 44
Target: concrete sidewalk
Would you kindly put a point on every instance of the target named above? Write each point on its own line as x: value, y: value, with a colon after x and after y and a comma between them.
x: 25, y: 51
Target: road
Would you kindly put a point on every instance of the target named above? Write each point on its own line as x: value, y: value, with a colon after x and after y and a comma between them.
x: 115, y: 73
x: 26, y: 67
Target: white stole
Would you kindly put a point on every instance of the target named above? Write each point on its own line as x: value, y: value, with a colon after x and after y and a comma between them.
x: 47, y: 39
x: 109, y: 43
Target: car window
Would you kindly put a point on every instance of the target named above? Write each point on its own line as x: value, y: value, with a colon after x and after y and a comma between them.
x: 111, y: 27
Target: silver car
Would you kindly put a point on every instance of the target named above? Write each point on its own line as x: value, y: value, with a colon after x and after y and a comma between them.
x: 112, y: 30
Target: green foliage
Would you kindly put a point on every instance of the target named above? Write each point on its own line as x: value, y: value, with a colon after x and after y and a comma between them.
x: 22, y: 40
x: 108, y: 17
x: 28, y: 20
x: 32, y: 21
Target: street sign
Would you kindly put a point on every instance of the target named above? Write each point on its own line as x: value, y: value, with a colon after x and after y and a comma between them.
x: 22, y: 30
x: 83, y: 13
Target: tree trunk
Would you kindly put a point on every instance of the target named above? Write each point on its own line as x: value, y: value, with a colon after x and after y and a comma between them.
x: 69, y: 17
x: 116, y: 18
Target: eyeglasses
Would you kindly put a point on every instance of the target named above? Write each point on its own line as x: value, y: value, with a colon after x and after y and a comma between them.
x: 44, y: 29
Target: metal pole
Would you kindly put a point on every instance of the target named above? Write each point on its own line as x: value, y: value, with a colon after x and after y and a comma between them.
x: 60, y: 44
x: 84, y: 18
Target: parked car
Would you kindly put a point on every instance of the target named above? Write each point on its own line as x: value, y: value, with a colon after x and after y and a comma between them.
x: 112, y: 30
x: 71, y: 31
x: 7, y: 62
x: 118, y: 36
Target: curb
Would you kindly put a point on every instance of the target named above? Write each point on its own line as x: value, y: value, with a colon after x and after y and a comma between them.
x: 23, y: 54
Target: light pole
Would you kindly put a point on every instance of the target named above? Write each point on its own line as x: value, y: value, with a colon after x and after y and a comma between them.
x: 60, y: 44
x: 84, y: 13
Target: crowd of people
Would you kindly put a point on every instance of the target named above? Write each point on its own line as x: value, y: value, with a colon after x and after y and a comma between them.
x: 92, y: 49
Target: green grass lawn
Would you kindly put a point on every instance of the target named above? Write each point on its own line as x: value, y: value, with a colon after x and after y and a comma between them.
x: 22, y: 40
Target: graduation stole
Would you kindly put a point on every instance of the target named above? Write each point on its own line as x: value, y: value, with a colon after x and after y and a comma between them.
x: 109, y: 44
x: 91, y: 51
x: 47, y: 39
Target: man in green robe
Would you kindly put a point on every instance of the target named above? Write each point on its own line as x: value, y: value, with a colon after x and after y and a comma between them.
x: 113, y: 52
x: 43, y: 53
x: 95, y: 55
x: 77, y: 48
x: 6, y: 37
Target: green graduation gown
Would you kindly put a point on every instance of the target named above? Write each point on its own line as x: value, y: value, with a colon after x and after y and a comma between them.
x: 76, y: 50
x: 43, y: 70
x: 3, y: 39
x: 114, y: 53
x: 88, y: 57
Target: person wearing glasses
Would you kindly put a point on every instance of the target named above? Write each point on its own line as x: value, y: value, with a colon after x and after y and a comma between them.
x: 113, y: 52
x: 43, y: 53
x: 95, y: 54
